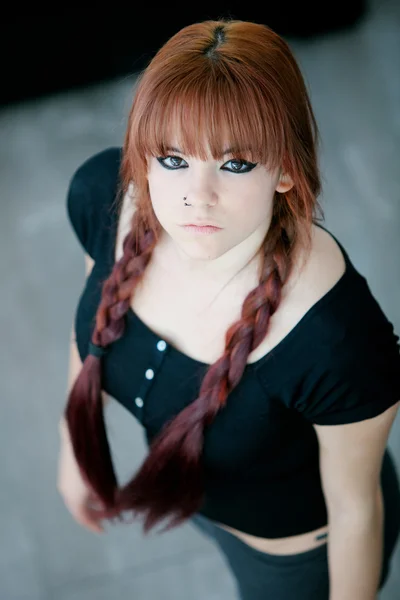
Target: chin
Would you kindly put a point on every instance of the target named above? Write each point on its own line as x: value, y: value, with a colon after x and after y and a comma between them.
x: 200, y: 251
x: 203, y: 254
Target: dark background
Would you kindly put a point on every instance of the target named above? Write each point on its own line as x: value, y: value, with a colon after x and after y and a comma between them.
x: 52, y: 52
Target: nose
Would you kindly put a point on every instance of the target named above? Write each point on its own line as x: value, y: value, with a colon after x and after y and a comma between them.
x: 199, y: 201
x: 201, y: 195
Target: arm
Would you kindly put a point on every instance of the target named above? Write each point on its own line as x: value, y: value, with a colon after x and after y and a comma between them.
x: 350, y: 463
x: 355, y: 553
x: 75, y: 363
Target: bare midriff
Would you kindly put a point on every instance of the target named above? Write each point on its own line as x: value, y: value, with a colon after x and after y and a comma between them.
x: 288, y: 545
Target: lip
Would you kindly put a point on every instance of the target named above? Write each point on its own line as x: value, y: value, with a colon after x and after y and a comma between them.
x: 205, y: 229
x: 201, y: 224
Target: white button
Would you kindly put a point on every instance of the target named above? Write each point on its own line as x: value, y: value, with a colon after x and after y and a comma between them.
x: 161, y: 345
x: 149, y: 374
x: 139, y: 402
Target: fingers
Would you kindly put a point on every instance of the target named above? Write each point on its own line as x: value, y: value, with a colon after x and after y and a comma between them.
x: 84, y: 515
x: 85, y: 518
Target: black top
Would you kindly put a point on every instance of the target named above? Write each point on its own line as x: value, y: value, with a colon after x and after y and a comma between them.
x: 339, y: 364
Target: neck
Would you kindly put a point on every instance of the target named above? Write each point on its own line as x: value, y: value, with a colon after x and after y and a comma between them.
x: 239, y: 259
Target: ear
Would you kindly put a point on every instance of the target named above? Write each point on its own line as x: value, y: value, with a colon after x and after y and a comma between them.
x: 285, y: 183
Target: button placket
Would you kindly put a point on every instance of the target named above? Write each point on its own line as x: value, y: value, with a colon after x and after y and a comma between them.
x: 150, y: 373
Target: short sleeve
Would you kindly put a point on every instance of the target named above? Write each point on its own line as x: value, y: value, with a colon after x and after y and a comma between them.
x: 358, y: 380
x: 91, y: 192
x: 80, y: 212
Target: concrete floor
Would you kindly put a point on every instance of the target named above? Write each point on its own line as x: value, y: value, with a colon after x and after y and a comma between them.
x: 44, y: 555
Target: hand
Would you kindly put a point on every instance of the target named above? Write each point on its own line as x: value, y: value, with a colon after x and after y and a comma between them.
x: 78, y: 497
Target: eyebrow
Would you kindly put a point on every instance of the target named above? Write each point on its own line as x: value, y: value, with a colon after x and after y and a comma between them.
x: 227, y: 151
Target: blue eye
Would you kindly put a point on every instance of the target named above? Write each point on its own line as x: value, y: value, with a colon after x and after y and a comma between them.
x: 242, y: 163
x: 162, y: 160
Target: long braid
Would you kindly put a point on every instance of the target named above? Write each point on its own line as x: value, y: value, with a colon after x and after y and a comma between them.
x: 120, y: 287
x: 85, y: 412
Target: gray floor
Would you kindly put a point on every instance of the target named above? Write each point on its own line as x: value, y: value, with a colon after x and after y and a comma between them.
x: 44, y: 555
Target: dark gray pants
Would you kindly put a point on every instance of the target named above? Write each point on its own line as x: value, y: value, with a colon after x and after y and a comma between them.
x: 303, y: 576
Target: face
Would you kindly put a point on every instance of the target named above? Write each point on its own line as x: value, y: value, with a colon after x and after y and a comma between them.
x: 232, y: 194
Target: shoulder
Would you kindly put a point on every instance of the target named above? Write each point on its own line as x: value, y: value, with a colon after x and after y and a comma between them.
x: 343, y: 363
x: 315, y: 280
x: 340, y: 296
x: 353, y: 366
x: 91, y: 197
x: 325, y: 266
x: 95, y: 177
x: 99, y: 169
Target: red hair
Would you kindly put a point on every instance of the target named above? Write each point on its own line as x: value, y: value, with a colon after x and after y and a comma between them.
x: 232, y: 81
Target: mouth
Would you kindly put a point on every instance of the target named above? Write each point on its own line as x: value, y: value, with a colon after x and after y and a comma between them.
x: 200, y: 224
x: 202, y: 228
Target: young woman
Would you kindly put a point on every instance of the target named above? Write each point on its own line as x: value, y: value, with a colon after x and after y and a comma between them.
x: 234, y: 328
